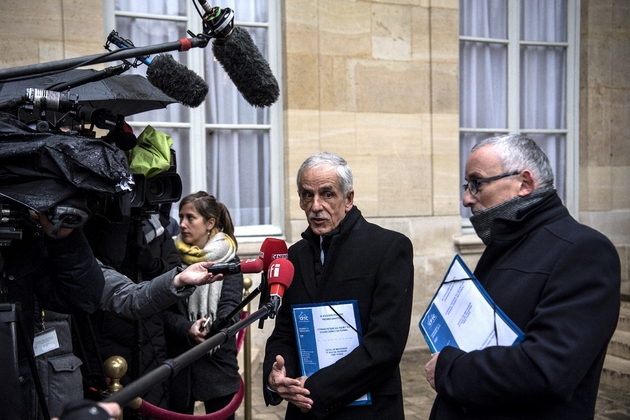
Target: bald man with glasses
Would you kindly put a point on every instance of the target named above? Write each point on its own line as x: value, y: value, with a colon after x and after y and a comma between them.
x: 558, y: 280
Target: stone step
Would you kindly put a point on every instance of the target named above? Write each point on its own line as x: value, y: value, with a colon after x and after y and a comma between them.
x: 620, y: 344
x: 624, y: 317
x: 616, y: 372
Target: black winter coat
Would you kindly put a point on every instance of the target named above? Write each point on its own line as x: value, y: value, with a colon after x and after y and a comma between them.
x: 211, y: 376
x: 375, y: 267
x: 559, y: 281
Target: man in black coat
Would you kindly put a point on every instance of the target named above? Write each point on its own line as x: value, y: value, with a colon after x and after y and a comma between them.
x: 558, y: 280
x: 343, y: 257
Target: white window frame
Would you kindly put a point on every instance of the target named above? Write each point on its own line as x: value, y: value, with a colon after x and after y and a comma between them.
x: 198, y: 128
x: 571, y: 199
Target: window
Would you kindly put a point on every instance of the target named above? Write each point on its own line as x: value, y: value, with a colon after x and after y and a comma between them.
x: 519, y: 74
x: 225, y: 146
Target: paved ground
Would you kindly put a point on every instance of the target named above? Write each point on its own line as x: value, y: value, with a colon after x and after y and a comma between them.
x: 611, y: 404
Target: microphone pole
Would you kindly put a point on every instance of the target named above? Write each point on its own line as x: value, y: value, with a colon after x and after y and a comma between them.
x: 172, y: 366
x: 220, y: 323
x: 183, y: 44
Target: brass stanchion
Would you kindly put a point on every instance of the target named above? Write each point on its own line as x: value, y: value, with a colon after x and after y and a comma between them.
x: 247, y: 358
x: 115, y: 368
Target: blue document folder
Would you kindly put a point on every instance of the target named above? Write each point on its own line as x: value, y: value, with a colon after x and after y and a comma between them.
x: 463, y: 315
x: 325, y: 333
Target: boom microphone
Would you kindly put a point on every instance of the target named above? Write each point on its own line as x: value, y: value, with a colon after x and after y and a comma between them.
x: 241, y: 59
x: 247, y: 266
x: 168, y: 75
x: 177, y: 81
x: 247, y: 68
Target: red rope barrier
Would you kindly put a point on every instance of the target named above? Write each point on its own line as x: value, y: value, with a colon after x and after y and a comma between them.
x: 161, y: 414
x: 158, y: 413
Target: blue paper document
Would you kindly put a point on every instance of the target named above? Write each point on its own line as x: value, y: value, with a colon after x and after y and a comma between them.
x: 325, y: 333
x: 463, y: 315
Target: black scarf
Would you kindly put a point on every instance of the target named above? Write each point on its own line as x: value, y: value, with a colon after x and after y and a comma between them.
x: 508, y: 210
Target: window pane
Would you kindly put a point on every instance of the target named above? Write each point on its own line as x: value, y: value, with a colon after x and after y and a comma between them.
x: 246, y: 10
x: 483, y: 85
x: 544, y: 20
x: 483, y: 18
x: 170, y: 7
x: 238, y: 174
x: 543, y: 87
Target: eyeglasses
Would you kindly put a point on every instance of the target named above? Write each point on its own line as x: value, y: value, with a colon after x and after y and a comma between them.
x: 473, y: 186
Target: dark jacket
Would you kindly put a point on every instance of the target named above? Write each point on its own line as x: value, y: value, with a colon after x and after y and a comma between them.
x: 559, y: 282
x: 211, y: 376
x: 375, y: 267
x: 116, y: 334
x: 63, y: 275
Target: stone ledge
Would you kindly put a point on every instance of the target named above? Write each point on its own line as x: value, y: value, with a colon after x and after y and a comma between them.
x: 468, y: 244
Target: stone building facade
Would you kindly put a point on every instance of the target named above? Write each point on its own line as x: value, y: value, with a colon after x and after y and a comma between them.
x: 376, y: 81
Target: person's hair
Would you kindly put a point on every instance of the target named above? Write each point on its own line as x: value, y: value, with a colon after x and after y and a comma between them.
x: 517, y: 152
x: 209, y: 208
x: 344, y: 173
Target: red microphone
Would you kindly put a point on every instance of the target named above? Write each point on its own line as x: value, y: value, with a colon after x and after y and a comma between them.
x: 280, y: 276
x: 272, y: 249
x: 247, y: 266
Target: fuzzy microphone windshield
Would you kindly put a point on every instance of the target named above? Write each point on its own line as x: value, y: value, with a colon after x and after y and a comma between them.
x: 247, y: 68
x: 176, y: 80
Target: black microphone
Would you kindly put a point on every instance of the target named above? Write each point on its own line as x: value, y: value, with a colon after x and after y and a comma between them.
x: 177, y: 81
x: 241, y: 59
x: 168, y: 75
x: 247, y: 266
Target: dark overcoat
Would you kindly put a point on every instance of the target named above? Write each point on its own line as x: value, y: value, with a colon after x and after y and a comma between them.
x: 373, y: 266
x: 559, y: 281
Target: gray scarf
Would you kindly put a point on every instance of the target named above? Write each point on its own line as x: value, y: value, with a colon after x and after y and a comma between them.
x: 482, y: 221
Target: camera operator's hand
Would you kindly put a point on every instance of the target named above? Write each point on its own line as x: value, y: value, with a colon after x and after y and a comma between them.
x: 82, y: 409
x: 48, y: 226
x: 196, y: 275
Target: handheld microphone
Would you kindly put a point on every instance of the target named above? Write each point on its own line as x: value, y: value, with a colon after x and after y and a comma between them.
x: 241, y: 59
x: 270, y: 250
x: 280, y: 277
x: 247, y: 266
x: 168, y: 75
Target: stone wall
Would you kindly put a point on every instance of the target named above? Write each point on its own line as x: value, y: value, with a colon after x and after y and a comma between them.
x: 605, y: 123
x: 37, y: 32
x: 376, y: 83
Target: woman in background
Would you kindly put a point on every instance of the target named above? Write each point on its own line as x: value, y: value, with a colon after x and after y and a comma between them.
x: 206, y: 234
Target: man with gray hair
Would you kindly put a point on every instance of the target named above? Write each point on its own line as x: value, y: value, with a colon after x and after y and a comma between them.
x: 558, y: 280
x: 343, y: 257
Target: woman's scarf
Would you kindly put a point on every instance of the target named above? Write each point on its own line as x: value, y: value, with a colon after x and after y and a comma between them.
x: 220, y: 248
